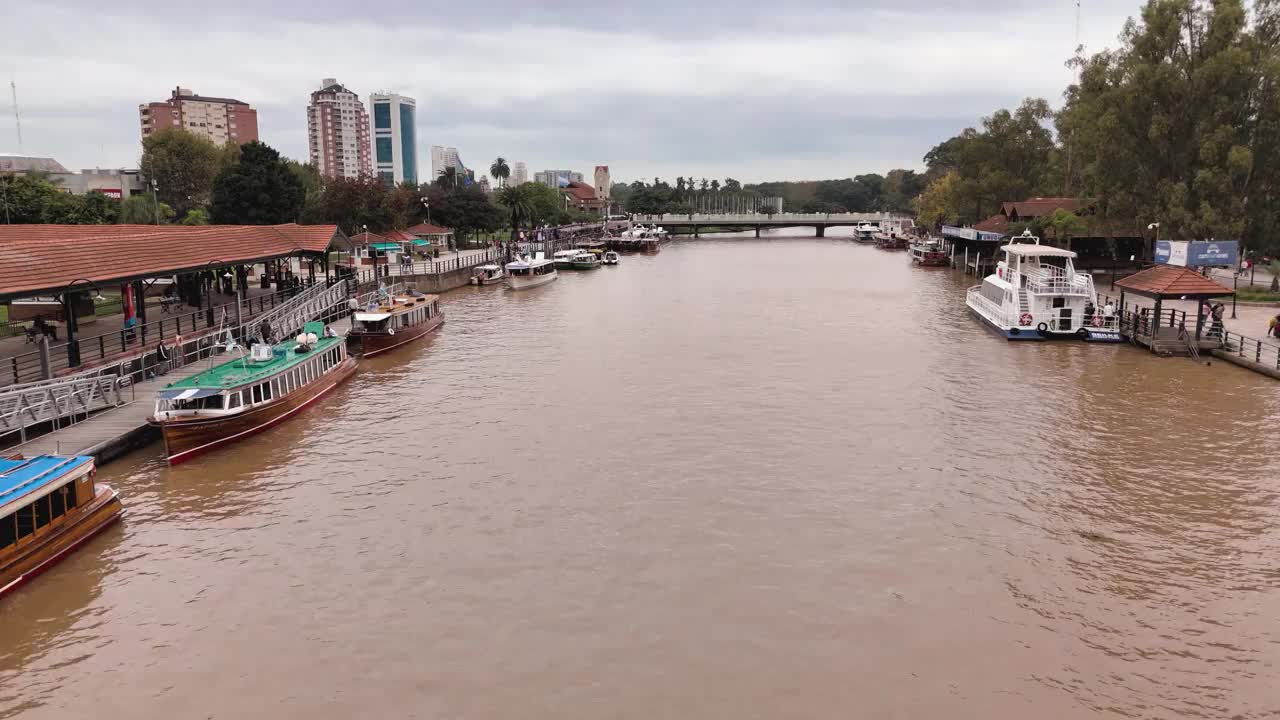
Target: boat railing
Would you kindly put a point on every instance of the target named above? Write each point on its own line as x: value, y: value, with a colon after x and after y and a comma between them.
x: 1057, y: 282
x: 993, y: 310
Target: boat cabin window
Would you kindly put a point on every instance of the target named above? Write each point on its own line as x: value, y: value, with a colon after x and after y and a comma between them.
x: 26, y: 520
x: 212, y: 402
x: 233, y: 401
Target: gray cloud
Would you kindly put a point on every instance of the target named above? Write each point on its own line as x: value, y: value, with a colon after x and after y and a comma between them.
x: 749, y: 89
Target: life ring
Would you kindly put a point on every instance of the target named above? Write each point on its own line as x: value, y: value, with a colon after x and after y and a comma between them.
x: 1097, y: 321
x: 1025, y: 319
x: 1043, y: 327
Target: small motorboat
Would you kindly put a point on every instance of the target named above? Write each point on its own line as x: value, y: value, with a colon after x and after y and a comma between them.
x: 486, y: 274
x: 585, y: 260
x: 611, y: 258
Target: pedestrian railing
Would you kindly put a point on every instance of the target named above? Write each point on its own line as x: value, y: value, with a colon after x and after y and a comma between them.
x: 288, y: 318
x: 1263, y: 353
x: 57, y: 403
x: 39, y: 364
x: 368, y: 277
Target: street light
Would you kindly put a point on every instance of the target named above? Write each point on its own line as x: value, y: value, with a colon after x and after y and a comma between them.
x: 426, y: 205
x: 155, y: 203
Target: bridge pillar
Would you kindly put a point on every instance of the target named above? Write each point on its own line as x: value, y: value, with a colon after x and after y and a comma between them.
x: 822, y: 230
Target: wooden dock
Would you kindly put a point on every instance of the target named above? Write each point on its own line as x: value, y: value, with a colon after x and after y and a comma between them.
x: 110, y: 433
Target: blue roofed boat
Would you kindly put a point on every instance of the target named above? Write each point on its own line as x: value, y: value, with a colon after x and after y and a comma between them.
x: 49, y: 506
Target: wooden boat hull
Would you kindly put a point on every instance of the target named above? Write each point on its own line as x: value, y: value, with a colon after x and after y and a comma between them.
x: 374, y: 343
x: 518, y: 282
x: 46, y: 550
x: 187, y: 437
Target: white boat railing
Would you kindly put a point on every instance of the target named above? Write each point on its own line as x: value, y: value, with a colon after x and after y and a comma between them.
x: 990, y: 309
x: 1045, y: 282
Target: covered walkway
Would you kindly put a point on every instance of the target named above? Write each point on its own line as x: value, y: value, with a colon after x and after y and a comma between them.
x: 70, y: 265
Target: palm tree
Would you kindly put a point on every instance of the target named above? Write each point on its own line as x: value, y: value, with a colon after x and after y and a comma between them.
x: 500, y: 171
x: 448, y: 178
x: 515, y: 200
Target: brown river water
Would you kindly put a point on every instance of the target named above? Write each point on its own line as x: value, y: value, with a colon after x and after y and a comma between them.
x: 777, y: 478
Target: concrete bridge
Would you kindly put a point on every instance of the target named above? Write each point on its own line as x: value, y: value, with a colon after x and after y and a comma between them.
x: 693, y: 224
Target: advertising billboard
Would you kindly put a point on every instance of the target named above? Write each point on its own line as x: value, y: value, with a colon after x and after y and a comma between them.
x: 1217, y: 253
x: 1170, y: 252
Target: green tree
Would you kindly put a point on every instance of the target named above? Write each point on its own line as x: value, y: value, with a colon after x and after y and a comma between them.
x: 1009, y: 158
x: 142, y: 210
x: 260, y: 189
x: 940, y: 203
x: 500, y: 171
x: 199, y: 216
x: 182, y: 166
x: 1181, y: 124
x: 517, y: 204
x: 731, y: 185
x: 353, y: 204
x: 448, y: 179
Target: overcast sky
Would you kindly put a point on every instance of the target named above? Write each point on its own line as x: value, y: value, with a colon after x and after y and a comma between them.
x: 802, y: 89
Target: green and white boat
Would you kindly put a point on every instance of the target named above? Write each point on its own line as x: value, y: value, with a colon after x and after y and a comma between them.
x: 564, y: 259
x: 586, y: 260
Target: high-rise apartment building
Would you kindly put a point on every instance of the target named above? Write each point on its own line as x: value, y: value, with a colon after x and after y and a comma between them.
x: 442, y: 158
x: 521, y: 173
x: 395, y: 141
x: 338, y: 131
x: 222, y: 120
x: 602, y: 183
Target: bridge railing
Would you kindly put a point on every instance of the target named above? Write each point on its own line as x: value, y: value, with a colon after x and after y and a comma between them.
x: 730, y: 218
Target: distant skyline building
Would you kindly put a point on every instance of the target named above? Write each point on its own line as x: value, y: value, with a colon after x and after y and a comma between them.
x: 338, y: 132
x: 444, y: 157
x: 222, y: 120
x: 602, y: 183
x: 395, y: 140
x: 484, y: 185
x: 520, y: 173
x: 557, y: 178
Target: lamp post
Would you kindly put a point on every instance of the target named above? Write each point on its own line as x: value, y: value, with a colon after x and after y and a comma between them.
x: 1154, y: 226
x: 155, y: 203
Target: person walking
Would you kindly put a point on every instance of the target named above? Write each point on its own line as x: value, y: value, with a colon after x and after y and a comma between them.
x: 1273, y: 326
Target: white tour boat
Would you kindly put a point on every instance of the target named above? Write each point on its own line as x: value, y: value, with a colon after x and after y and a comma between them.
x: 529, y: 272
x: 564, y: 259
x: 611, y: 258
x: 486, y: 274
x: 865, y: 233
x: 1036, y: 294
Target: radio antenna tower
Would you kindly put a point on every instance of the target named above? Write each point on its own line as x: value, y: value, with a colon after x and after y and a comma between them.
x: 17, y: 119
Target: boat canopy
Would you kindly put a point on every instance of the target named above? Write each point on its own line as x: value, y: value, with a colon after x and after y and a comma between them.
x: 488, y: 268
x: 371, y: 317
x: 1031, y: 249
x: 188, y: 393
x: 529, y: 264
x: 20, y: 478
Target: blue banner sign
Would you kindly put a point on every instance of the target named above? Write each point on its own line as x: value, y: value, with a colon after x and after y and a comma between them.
x: 1218, y: 253
x: 1200, y: 253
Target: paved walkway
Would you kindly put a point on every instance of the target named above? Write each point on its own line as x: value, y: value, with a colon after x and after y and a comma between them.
x: 105, y: 428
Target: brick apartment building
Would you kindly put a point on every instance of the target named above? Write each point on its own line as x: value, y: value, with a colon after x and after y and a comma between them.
x: 338, y: 132
x: 222, y: 120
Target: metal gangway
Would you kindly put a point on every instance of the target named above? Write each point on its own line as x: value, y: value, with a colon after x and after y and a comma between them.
x: 58, y: 402
x: 289, y: 318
